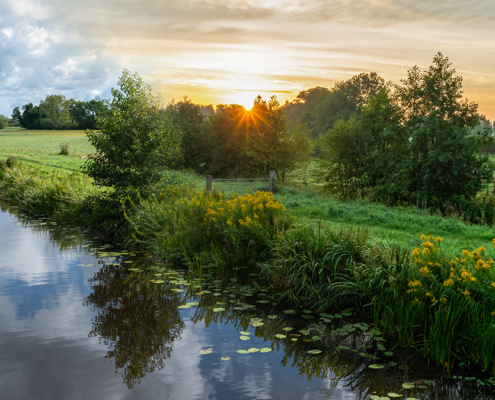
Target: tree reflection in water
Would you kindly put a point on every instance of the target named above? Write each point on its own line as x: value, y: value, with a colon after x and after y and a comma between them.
x: 138, y: 321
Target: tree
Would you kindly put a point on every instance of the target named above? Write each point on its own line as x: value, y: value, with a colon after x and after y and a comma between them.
x: 4, y: 121
x: 341, y: 163
x: 444, y: 154
x: 85, y: 113
x: 134, y: 141
x: 31, y: 116
x: 57, y: 109
x: 189, y: 117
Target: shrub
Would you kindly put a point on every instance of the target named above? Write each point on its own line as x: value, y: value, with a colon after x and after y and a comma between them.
x: 11, y: 161
x: 238, y: 228
x: 64, y: 149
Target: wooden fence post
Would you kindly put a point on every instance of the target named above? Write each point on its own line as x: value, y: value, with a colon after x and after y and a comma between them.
x: 209, y: 182
x: 271, y: 182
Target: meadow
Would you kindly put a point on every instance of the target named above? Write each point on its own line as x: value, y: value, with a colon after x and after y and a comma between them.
x: 41, y: 148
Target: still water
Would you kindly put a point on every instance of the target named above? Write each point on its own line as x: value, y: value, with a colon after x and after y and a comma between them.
x: 77, y: 321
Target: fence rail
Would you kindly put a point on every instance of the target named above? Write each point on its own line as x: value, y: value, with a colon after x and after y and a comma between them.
x: 242, y: 183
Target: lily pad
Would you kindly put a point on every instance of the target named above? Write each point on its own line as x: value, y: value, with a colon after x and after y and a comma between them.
x: 294, y: 339
x: 404, y: 367
x: 288, y: 328
x: 392, y: 364
x: 225, y: 358
x: 376, y: 366
x: 429, y: 382
x: 263, y: 301
x: 207, y: 351
x: 159, y: 281
x: 245, y: 338
x: 265, y: 350
x: 307, y: 311
x: 253, y: 350
x: 218, y: 309
x: 381, y: 347
x: 290, y: 312
x: 245, y: 333
x: 242, y: 351
x: 316, y: 351
x: 344, y: 347
x: 338, y: 316
x: 392, y: 394
x: 307, y: 316
x: 273, y: 316
x: 407, y: 385
x: 389, y: 353
x: 280, y: 336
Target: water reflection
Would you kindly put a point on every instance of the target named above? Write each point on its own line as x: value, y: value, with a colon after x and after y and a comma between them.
x: 138, y: 322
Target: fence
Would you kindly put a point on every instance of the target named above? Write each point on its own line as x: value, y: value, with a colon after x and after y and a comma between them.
x: 241, y: 185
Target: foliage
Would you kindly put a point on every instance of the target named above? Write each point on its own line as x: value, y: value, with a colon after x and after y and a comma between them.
x: 4, y: 121
x: 417, y: 144
x: 134, y: 142
x: 341, y: 164
x: 190, y: 118
x: 239, y: 227
x: 84, y: 114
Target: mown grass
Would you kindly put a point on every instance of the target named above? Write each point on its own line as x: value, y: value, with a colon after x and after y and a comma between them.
x: 41, y: 148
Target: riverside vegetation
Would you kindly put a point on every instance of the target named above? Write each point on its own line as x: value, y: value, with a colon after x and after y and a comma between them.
x: 430, y: 296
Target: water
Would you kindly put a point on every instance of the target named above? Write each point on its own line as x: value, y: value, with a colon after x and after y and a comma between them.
x: 99, y: 331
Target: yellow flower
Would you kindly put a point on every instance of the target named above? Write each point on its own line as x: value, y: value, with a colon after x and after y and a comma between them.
x: 448, y: 282
x: 465, y: 252
x: 428, y: 294
x: 229, y: 223
x: 473, y: 279
x: 481, y: 249
x: 444, y: 300
x: 416, y: 252
x: 439, y: 240
x: 424, y: 271
x: 466, y: 293
x: 423, y: 237
x: 493, y: 284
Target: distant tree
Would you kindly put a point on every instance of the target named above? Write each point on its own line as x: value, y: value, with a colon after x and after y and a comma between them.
x: 134, y: 141
x: 4, y: 121
x: 31, y: 116
x: 57, y: 108
x: 85, y: 113
x: 189, y: 117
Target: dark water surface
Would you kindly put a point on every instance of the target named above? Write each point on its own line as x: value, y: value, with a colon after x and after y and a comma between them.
x: 100, y: 331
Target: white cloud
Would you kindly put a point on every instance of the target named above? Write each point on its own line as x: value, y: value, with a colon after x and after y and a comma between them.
x: 9, y: 32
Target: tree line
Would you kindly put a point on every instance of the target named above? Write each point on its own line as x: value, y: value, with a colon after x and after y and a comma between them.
x: 57, y: 112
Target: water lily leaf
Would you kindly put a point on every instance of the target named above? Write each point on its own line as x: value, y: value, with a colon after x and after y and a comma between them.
x: 218, y: 309
x: 294, y: 339
x: 245, y: 338
x: 265, y: 350
x: 338, y: 316
x: 245, y: 333
x: 404, y: 367
x: 242, y: 351
x: 290, y: 312
x: 327, y: 320
x: 347, y: 314
x: 314, y: 351
x: 233, y: 279
x: 257, y: 324
x: 253, y: 350
x: 429, y: 382
x: 422, y: 387
x: 207, y: 351
x: 407, y: 385
x: 280, y: 336
x: 381, y: 347
x: 376, y: 366
x: 389, y: 353
x: 273, y: 316
x: 256, y: 319
x: 307, y: 316
x: 344, y: 347
x: 159, y: 281
x: 225, y: 358
x: 307, y: 311
x: 392, y: 394
x: 373, y: 397
x: 287, y: 328
x: 263, y: 301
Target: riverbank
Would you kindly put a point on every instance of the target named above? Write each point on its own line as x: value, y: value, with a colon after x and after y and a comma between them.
x: 430, y: 296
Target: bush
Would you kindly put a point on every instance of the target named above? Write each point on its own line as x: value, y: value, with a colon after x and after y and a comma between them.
x: 11, y: 161
x: 64, y: 149
x: 238, y: 229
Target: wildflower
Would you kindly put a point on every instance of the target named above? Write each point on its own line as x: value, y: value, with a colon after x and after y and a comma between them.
x: 448, y: 282
x: 415, y: 252
x: 424, y: 270
x: 423, y: 237
x: 428, y: 294
x: 473, y: 279
x: 433, y: 300
x: 493, y: 284
x: 444, y: 300
x: 439, y: 240
x: 466, y: 293
x: 465, y: 252
x: 430, y: 237
x: 229, y: 223
x: 481, y: 249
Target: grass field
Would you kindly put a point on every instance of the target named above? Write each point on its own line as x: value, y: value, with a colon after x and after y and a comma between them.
x: 41, y: 148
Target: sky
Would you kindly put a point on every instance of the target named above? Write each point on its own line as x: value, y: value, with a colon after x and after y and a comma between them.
x: 229, y: 51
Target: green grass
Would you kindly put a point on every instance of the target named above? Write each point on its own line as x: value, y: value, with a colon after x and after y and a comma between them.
x: 40, y: 148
